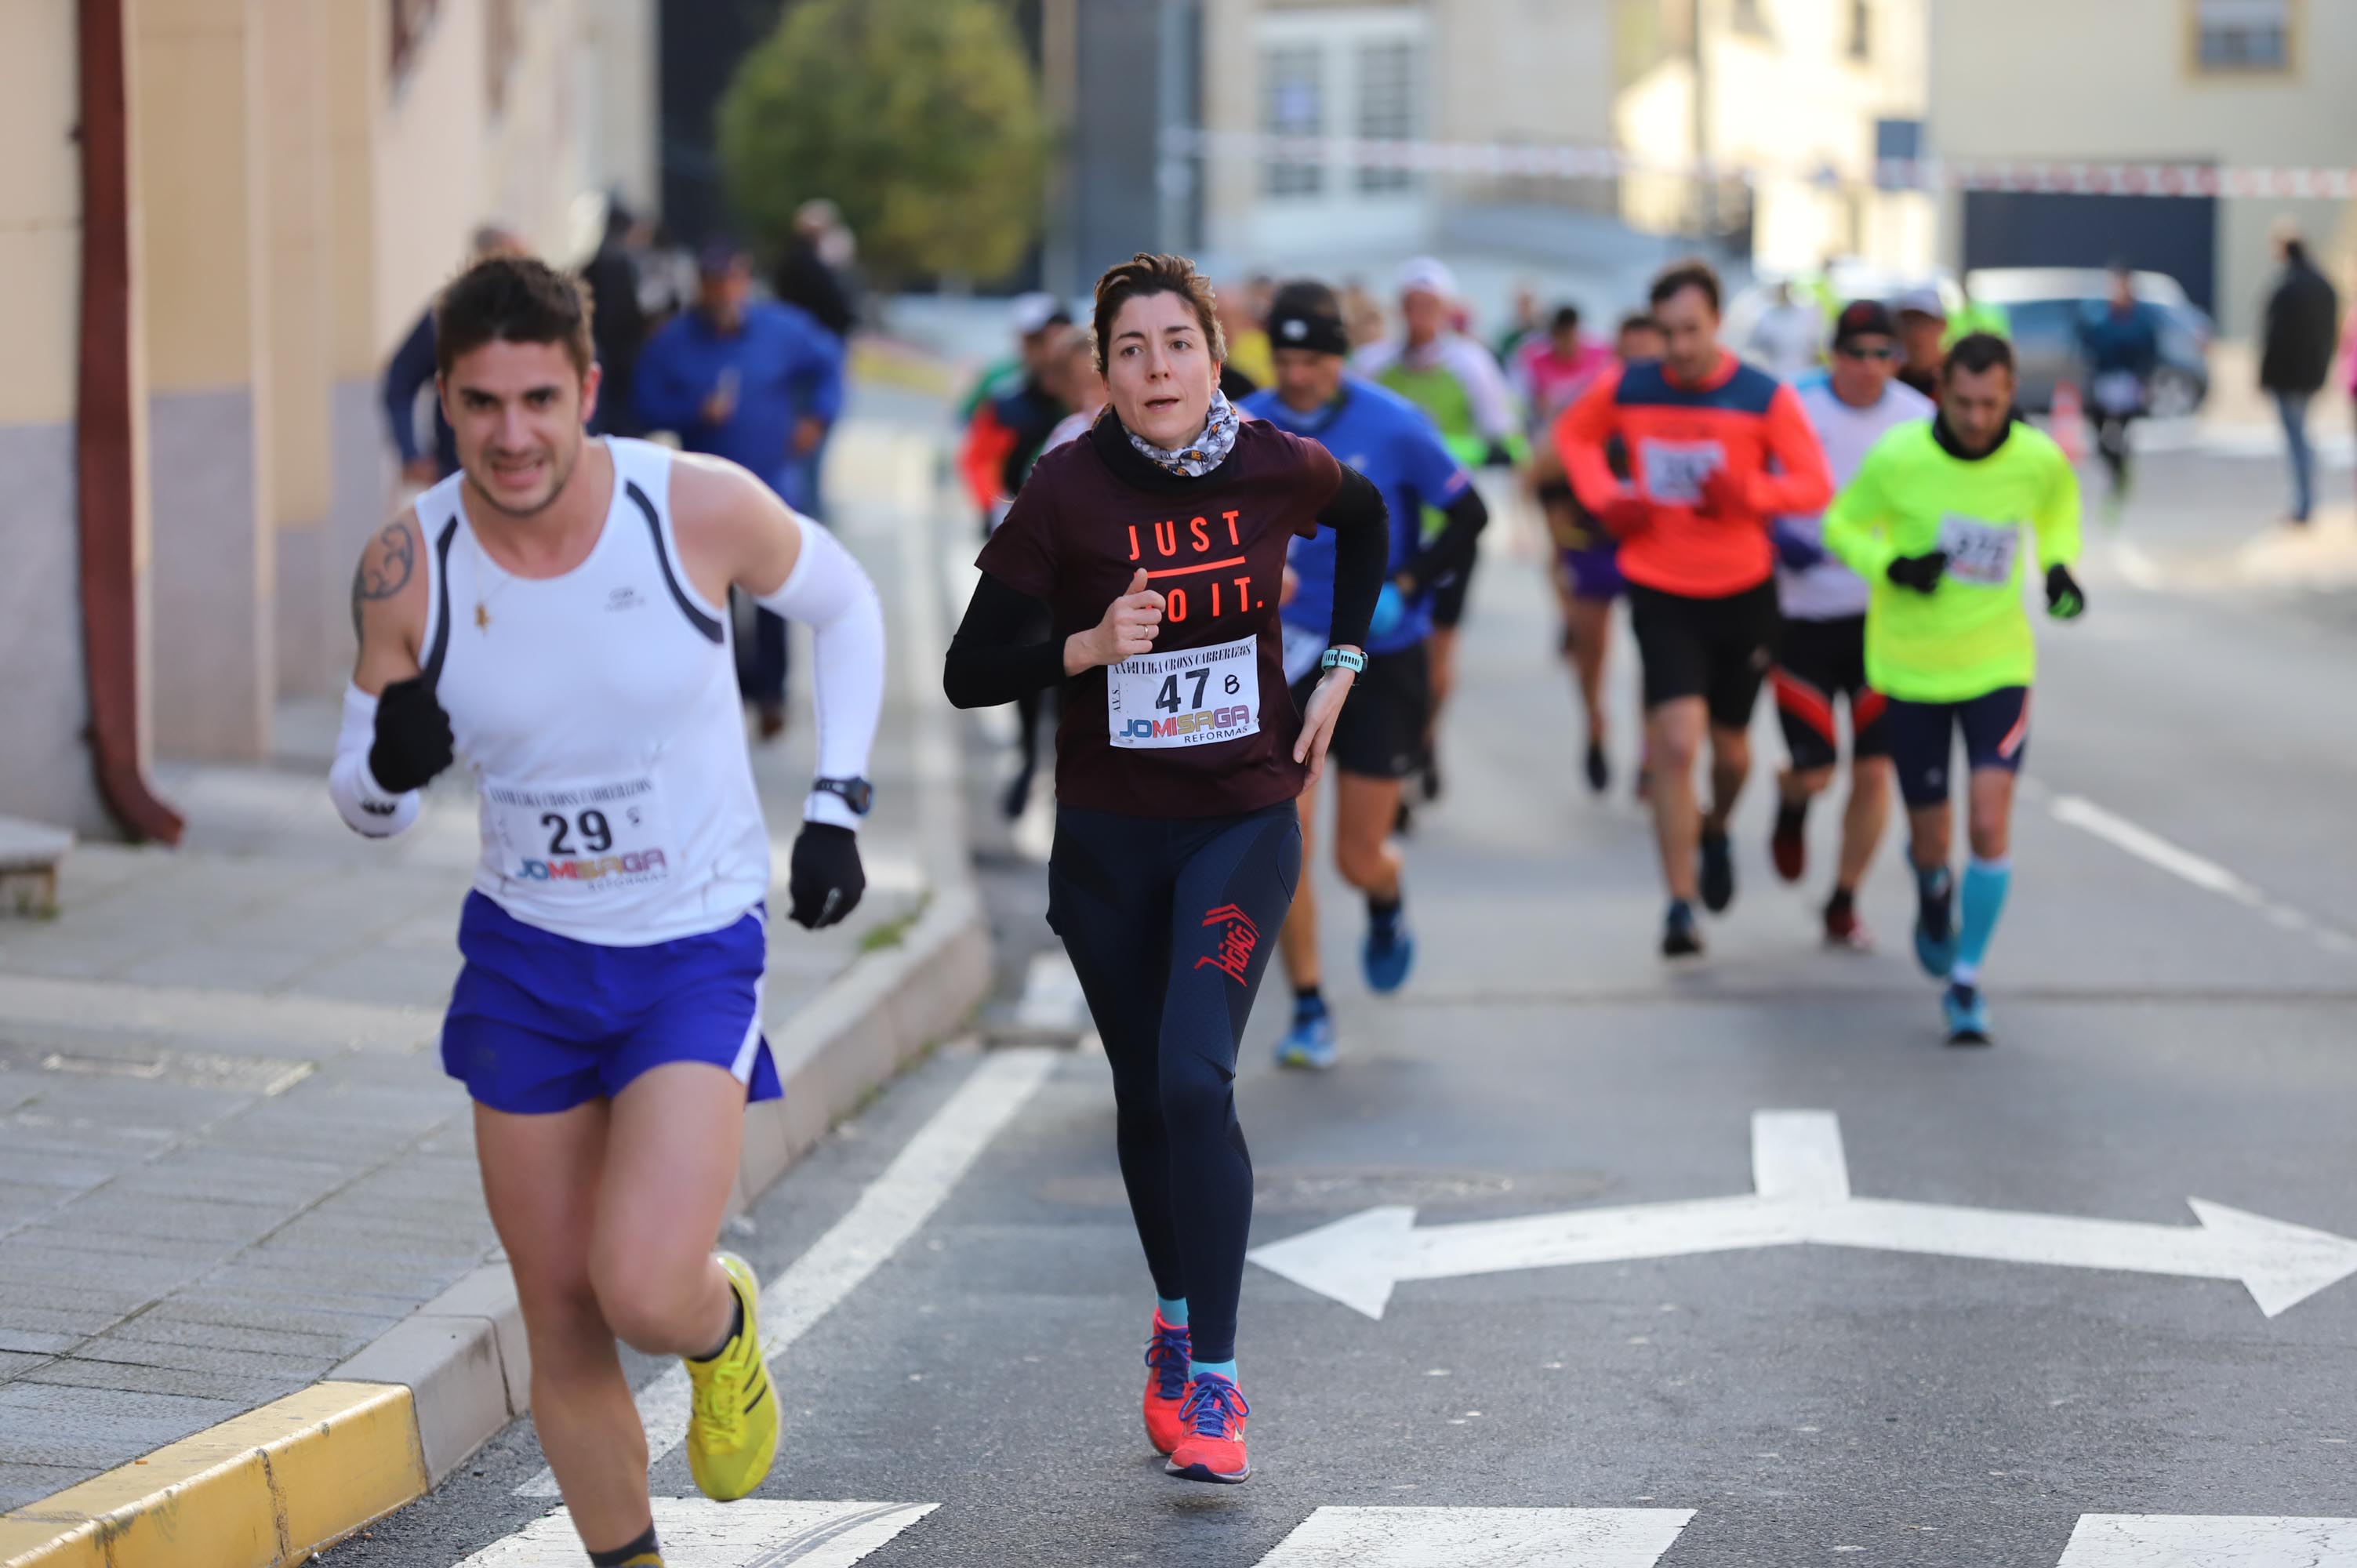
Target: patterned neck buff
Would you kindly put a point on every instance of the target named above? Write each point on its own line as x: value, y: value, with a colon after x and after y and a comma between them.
x: 1202, y: 454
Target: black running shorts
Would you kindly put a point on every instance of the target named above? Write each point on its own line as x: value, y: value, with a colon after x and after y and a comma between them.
x: 1717, y: 649
x: 1819, y: 663
x: 1381, y: 732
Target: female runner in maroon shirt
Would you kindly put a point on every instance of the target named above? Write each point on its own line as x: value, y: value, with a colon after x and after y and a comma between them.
x: 1140, y: 570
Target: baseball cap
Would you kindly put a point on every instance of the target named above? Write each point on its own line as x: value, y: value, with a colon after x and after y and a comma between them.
x: 1863, y: 318
x: 1427, y: 274
x: 1921, y: 302
x: 1034, y: 313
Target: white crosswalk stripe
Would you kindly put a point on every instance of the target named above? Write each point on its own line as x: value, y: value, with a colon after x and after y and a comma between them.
x: 698, y: 1533
x: 1479, y: 1538
x: 2170, y: 1541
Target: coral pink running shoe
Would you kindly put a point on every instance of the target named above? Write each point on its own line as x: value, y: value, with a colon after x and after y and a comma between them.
x: 1166, y: 1383
x: 1212, y: 1447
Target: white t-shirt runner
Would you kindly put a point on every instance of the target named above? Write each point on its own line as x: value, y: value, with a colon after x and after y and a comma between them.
x: 1829, y: 590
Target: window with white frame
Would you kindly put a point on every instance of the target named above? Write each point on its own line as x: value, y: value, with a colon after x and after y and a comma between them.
x: 1293, y: 103
x: 2232, y: 36
x: 1344, y: 71
x: 1386, y: 83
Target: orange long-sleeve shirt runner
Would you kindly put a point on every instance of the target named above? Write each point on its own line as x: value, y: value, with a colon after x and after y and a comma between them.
x: 1736, y: 421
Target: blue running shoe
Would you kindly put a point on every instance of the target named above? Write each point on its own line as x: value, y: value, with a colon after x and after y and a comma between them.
x: 1309, y: 1043
x: 1389, y: 951
x: 1967, y: 1014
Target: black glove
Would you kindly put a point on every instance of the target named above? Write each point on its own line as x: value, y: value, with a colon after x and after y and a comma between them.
x: 2065, y: 600
x: 1920, y: 573
x: 413, y: 737
x: 1498, y: 455
x: 826, y: 880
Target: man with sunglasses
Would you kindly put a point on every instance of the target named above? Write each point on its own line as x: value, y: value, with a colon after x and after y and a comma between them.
x: 1821, y: 659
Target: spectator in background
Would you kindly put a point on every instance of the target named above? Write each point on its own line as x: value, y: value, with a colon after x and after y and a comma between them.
x: 2120, y: 341
x: 617, y: 326
x: 2349, y: 359
x: 1922, y: 335
x: 757, y: 382
x: 1362, y: 315
x: 1785, y: 339
x: 1524, y: 327
x: 410, y: 374
x: 2303, y: 315
x: 816, y: 271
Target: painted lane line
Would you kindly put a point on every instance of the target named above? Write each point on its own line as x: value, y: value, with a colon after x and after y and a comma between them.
x: 1479, y: 1538
x: 894, y: 1207
x: 2187, y: 867
x: 699, y: 1533
x: 1804, y: 1198
x: 2166, y: 1541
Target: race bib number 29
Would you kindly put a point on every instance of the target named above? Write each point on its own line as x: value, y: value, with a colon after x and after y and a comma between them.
x: 1197, y: 697
x: 588, y: 837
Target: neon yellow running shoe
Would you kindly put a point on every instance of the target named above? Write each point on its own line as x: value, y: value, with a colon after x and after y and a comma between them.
x: 732, y: 1437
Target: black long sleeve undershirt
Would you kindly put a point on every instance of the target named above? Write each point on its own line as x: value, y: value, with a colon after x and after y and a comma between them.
x: 1452, y: 549
x: 1005, y: 645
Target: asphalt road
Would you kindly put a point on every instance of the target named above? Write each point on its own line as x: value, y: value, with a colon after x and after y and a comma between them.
x: 2175, y: 990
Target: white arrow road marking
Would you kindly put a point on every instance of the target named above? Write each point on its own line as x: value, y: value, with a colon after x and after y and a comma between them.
x: 2164, y: 1541
x: 1803, y: 1196
x: 698, y: 1533
x: 1479, y: 1538
x: 892, y: 1208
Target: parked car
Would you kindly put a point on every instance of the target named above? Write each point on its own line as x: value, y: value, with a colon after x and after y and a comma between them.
x: 2045, y: 304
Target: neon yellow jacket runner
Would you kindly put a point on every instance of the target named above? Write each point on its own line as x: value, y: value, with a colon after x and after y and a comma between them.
x: 1970, y: 635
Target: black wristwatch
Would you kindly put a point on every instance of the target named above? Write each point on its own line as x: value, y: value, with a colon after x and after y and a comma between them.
x: 856, y: 793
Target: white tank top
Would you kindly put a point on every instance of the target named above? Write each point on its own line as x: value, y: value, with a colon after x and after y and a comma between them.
x: 599, y: 713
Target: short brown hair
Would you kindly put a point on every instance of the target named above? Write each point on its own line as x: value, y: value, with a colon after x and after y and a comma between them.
x: 512, y: 299
x: 1144, y: 274
x: 1680, y: 277
x: 1976, y: 352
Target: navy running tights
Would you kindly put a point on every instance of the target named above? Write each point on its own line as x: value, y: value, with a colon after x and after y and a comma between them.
x: 1171, y: 922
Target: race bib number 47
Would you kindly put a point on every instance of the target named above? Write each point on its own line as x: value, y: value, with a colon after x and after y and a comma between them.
x: 1674, y: 470
x: 1198, y: 697
x: 596, y: 836
x: 1979, y: 552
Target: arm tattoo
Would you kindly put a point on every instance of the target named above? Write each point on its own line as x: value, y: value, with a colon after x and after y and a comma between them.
x: 386, y: 568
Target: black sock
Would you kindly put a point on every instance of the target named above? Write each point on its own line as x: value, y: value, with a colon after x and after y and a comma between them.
x: 735, y: 1327
x: 1792, y: 813
x: 1308, y: 997
x: 1842, y: 902
x: 640, y: 1553
x: 1383, y: 909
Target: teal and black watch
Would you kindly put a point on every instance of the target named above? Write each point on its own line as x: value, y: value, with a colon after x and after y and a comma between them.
x: 1349, y: 658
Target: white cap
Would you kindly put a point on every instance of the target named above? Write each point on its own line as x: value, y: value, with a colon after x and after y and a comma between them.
x: 1428, y: 275
x: 1921, y: 302
x: 1032, y: 313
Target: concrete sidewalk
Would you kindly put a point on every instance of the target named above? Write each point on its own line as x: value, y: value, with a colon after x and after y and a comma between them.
x: 231, y: 1162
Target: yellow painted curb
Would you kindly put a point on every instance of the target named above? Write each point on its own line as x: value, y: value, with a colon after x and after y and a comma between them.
x: 264, y: 1490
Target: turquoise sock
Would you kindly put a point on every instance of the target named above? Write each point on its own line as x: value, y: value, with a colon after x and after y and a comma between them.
x: 1985, y: 882
x: 1174, y: 1312
x: 1217, y: 1369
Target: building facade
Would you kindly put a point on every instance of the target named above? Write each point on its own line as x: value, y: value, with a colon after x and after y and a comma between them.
x: 300, y: 179
x: 2238, y: 84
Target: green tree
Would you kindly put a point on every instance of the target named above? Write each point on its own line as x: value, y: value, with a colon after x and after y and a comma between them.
x: 919, y: 118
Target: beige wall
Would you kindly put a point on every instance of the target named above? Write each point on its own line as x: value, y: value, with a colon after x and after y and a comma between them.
x: 1531, y: 70
x: 2147, y: 103
x: 40, y: 213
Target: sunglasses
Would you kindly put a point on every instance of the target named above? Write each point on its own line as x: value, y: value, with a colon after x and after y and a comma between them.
x: 1856, y: 353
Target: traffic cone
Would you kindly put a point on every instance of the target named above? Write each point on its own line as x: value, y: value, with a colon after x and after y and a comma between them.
x: 2067, y: 421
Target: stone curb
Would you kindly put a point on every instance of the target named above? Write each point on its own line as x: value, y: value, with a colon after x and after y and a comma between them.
x: 271, y: 1487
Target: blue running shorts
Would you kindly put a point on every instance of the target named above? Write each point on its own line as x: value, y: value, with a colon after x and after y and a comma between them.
x: 540, y: 1023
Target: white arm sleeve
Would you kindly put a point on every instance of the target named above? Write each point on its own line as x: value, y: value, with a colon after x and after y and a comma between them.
x: 827, y: 591
x: 367, y: 809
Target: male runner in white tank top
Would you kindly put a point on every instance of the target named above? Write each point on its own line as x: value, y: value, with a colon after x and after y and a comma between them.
x: 553, y: 615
